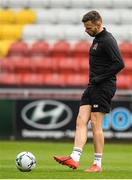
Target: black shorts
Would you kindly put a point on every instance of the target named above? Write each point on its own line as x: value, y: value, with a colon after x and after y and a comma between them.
x: 99, y: 97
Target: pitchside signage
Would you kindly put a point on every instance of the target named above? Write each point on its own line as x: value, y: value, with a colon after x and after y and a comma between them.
x: 56, y: 119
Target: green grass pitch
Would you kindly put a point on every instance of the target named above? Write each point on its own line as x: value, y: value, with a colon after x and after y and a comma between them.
x: 117, y: 161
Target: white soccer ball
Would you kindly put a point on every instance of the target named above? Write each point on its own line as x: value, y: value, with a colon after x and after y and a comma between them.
x: 25, y: 161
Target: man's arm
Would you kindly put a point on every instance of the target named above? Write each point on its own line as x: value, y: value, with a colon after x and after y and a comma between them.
x: 113, y: 52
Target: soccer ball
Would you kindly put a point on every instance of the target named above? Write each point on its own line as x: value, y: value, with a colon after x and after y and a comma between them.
x: 25, y: 161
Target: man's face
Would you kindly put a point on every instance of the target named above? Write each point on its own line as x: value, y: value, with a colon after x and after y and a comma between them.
x: 91, y: 28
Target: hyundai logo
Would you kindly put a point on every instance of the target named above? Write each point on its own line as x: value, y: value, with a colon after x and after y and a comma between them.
x: 46, y: 114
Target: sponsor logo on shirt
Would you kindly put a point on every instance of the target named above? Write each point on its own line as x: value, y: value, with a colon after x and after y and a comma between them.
x: 95, y: 46
x: 95, y: 105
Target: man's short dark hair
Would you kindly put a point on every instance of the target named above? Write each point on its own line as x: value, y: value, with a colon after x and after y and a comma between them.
x: 92, y: 16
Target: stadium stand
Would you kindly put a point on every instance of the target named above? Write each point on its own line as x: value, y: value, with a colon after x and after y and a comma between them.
x: 60, y: 49
x: 25, y: 16
x: 39, y: 49
x: 7, y: 16
x: 43, y: 43
x: 18, y: 49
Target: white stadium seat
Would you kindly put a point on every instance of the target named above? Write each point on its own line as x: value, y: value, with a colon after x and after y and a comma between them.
x: 31, y: 32
x: 60, y: 3
x: 130, y: 30
x: 58, y: 16
x: 122, y: 3
x: 110, y: 16
x: 74, y: 33
x: 46, y: 16
x: 70, y: 32
x: 126, y: 16
x: 39, y: 3
x: 68, y: 16
x: 81, y: 3
x: 74, y: 16
x: 53, y: 33
x: 101, y: 3
x: 120, y: 32
x: 3, y: 3
x: 18, y: 3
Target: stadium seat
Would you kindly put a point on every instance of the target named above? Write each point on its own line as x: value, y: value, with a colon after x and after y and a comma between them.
x: 16, y: 65
x: 4, y: 47
x: 68, y: 65
x: 46, y: 16
x: 6, y: 65
x: 128, y: 66
x: 41, y: 65
x: 32, y: 32
x: 25, y: 16
x: 101, y: 4
x: 60, y: 4
x: 10, y: 79
x: 84, y: 64
x: 124, y: 82
x: 19, y: 49
x: 31, y: 79
x: 43, y: 32
x: 121, y: 4
x: 3, y: 3
x: 55, y: 79
x: 81, y: 49
x: 68, y: 16
x: 121, y: 33
x: 10, y: 32
x: 39, y: 3
x: 7, y: 16
x: 39, y: 49
x: 76, y: 80
x: 17, y: 4
x: 125, y: 16
x: 81, y: 4
x: 110, y: 16
x: 53, y: 32
x: 74, y: 33
x: 60, y: 49
x: 126, y: 49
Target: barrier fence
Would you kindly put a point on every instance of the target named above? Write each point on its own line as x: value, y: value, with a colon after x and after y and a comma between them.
x: 51, y: 114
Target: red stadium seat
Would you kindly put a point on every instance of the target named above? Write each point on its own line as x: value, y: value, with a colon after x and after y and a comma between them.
x: 55, y: 66
x: 55, y: 79
x: 69, y: 65
x: 128, y: 65
x: 81, y: 49
x: 126, y: 49
x: 18, y: 49
x: 60, y: 49
x: 10, y: 79
x: 41, y: 65
x: 83, y: 64
x: 124, y: 82
x: 6, y: 65
x: 32, y: 79
x: 77, y: 80
x: 40, y: 49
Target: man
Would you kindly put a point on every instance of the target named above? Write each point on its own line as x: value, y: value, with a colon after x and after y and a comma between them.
x: 105, y: 62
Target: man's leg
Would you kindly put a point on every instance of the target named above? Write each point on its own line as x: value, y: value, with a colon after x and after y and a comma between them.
x: 98, y: 136
x: 98, y: 139
x: 80, y: 138
x: 82, y: 126
x: 81, y: 131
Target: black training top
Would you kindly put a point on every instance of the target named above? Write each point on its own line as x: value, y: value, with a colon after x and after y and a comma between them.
x: 104, y: 58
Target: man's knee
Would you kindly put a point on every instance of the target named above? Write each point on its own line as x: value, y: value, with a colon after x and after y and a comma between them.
x: 96, y: 120
x: 81, y: 121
